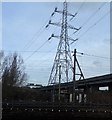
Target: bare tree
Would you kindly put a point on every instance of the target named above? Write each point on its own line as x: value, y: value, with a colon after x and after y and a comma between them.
x: 1, y: 62
x: 13, y: 71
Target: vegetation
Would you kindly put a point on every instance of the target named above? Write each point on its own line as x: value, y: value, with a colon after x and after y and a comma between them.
x: 14, y: 78
x: 13, y: 71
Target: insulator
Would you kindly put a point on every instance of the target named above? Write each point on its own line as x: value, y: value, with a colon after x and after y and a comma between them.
x: 55, y: 9
x: 52, y: 35
x: 49, y: 21
x: 75, y: 15
x: 49, y: 38
x: 47, y: 25
x: 80, y: 28
x: 82, y: 53
x: 52, y: 14
x: 71, y: 18
x: 74, y: 41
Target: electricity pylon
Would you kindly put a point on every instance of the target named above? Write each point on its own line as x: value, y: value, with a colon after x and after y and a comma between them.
x: 63, y: 56
x: 63, y: 68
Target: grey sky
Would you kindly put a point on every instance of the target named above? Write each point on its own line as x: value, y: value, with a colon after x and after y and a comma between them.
x: 23, y: 31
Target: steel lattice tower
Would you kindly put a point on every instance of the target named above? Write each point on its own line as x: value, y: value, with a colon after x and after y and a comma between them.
x: 62, y: 69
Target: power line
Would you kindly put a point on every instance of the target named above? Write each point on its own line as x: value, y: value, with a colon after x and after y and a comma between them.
x: 33, y: 39
x: 50, y: 51
x: 39, y: 32
x: 36, y: 50
x: 78, y: 9
x: 30, y: 42
x: 91, y: 16
x: 81, y: 6
x: 93, y: 55
x: 29, y: 51
x: 94, y: 24
x: 38, y: 36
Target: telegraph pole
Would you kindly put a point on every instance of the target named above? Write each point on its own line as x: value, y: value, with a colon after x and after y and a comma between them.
x: 59, y: 84
x: 74, y: 78
x: 80, y: 74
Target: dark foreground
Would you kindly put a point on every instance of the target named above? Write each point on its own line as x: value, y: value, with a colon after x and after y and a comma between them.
x: 50, y: 117
x: 40, y: 115
x: 41, y: 111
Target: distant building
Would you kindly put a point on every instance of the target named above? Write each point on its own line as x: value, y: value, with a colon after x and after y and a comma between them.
x: 32, y: 85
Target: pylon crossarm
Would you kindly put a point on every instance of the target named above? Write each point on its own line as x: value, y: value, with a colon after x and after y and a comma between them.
x: 56, y: 24
x: 69, y: 38
x: 68, y: 14
x: 73, y: 16
x: 72, y: 27
x: 73, y: 40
